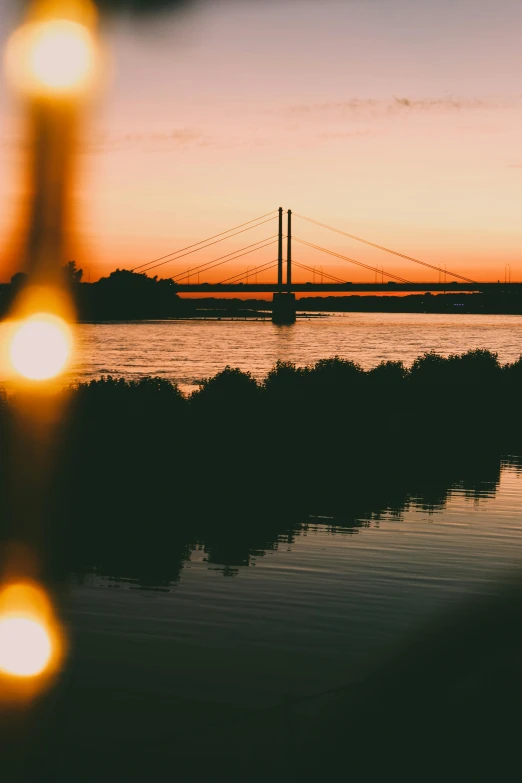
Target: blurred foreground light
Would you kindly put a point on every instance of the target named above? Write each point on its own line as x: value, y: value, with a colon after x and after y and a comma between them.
x: 31, y: 642
x: 40, y: 346
x: 25, y: 647
x: 55, y: 57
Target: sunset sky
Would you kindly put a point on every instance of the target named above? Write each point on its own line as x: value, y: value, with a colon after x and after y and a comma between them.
x: 397, y: 120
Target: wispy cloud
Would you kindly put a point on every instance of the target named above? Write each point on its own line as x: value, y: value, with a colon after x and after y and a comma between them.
x: 343, y: 134
x: 439, y: 104
x: 395, y: 105
x: 102, y: 141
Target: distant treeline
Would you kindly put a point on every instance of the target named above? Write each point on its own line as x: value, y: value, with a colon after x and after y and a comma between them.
x: 146, y: 474
x: 126, y: 295
x: 506, y: 303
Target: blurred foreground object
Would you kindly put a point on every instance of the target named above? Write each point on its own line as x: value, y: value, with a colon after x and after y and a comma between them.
x: 31, y: 641
x: 142, y: 7
x: 53, y: 63
x: 54, y: 58
x: 40, y: 347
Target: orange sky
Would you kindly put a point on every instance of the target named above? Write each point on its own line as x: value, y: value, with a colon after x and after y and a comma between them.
x: 399, y: 122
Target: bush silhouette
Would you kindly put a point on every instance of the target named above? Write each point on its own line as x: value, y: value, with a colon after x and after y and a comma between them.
x: 238, y: 462
x: 228, y: 388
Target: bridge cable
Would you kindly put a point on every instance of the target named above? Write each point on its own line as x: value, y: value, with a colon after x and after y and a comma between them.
x: 200, y: 267
x: 220, y: 262
x: 323, y: 274
x: 255, y: 269
x: 208, y: 245
x: 352, y: 260
x: 315, y: 271
x: 386, y: 249
x: 156, y: 261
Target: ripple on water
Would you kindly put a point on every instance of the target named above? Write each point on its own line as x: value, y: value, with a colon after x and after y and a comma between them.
x: 186, y: 351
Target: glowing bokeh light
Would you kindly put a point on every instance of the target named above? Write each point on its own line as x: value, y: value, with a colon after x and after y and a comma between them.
x: 40, y: 347
x: 25, y: 647
x: 31, y: 640
x: 53, y: 57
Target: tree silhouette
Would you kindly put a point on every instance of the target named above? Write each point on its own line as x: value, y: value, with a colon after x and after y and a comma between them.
x: 73, y: 275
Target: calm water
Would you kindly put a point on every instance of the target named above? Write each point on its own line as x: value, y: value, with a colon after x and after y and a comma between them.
x: 187, y: 351
x: 305, y: 617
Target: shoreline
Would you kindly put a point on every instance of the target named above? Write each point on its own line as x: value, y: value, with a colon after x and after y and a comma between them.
x: 144, y: 471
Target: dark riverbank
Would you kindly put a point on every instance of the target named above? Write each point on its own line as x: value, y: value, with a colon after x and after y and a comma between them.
x: 126, y: 295
x: 503, y: 303
x: 146, y: 473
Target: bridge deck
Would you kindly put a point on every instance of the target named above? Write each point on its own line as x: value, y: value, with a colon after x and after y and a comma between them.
x: 323, y: 288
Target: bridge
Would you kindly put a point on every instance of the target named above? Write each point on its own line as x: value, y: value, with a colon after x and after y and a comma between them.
x: 284, y: 288
x: 350, y: 288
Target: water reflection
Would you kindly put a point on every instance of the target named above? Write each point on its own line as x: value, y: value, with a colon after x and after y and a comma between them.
x: 218, y: 638
x: 330, y: 624
x: 155, y: 561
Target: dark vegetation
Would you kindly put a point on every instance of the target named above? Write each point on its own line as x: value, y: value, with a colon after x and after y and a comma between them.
x: 503, y: 302
x: 127, y: 296
x: 122, y: 296
x: 147, y: 474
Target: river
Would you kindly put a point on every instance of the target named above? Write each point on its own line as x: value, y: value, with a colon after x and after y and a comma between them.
x: 240, y: 661
x: 187, y: 351
x: 279, y: 641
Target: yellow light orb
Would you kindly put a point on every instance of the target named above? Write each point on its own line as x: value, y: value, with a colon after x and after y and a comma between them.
x: 25, y: 647
x: 32, y: 644
x: 54, y: 57
x: 40, y: 347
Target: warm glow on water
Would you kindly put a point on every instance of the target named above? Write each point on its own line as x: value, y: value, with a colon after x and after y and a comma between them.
x: 25, y: 647
x: 52, y: 57
x: 40, y: 347
x: 187, y: 351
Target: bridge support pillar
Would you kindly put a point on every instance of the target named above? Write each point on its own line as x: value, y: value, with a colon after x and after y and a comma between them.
x: 283, y: 308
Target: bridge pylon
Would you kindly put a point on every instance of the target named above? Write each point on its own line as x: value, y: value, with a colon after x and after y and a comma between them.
x: 280, y: 252
x: 283, y: 302
x: 289, y: 252
x: 283, y: 308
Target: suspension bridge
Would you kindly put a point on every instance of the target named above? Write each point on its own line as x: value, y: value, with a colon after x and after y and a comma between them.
x: 285, y: 287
